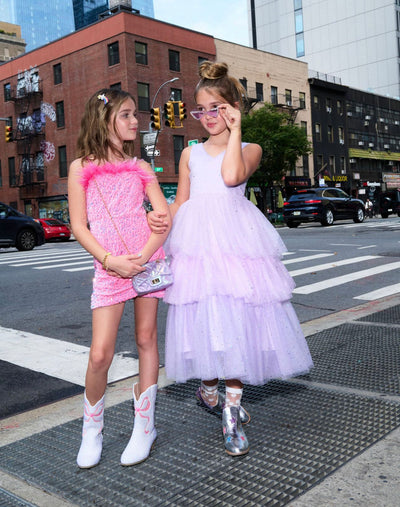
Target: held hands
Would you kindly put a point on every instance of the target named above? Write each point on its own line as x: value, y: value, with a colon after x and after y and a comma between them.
x: 157, y: 222
x: 231, y: 115
x: 125, y: 266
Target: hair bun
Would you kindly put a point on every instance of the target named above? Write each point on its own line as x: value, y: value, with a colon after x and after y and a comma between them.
x: 212, y: 70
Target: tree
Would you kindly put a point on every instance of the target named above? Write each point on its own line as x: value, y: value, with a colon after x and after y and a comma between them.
x: 281, y: 140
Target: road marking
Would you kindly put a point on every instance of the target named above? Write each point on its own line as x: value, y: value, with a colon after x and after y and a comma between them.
x: 90, y: 261
x: 56, y: 358
x: 84, y: 268
x: 390, y: 290
x: 308, y: 258
x: 328, y: 265
x: 35, y: 263
x: 340, y: 280
x: 364, y: 247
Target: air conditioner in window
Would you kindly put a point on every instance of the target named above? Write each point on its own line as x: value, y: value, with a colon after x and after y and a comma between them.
x: 360, y: 143
x: 366, y: 123
x: 386, y: 127
x: 349, y: 113
x: 341, y: 141
x: 329, y: 109
x: 371, y: 145
x: 288, y: 102
x: 390, y: 162
x: 352, y: 160
x: 382, y: 120
x: 368, y: 117
x: 396, y: 122
x: 386, y: 146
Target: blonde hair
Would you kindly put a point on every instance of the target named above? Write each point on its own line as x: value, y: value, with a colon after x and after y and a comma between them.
x: 214, y: 76
x: 94, y: 135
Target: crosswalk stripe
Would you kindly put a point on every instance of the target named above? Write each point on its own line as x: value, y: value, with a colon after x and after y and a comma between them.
x: 68, y: 360
x: 49, y: 261
x: 389, y: 290
x: 334, y: 264
x: 90, y: 261
x: 307, y: 258
x: 333, y: 282
x: 83, y: 268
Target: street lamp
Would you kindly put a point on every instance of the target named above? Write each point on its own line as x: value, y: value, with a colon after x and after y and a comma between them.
x: 166, y: 82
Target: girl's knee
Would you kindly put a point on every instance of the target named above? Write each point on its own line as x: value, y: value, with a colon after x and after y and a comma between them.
x: 100, y: 359
x: 146, y: 338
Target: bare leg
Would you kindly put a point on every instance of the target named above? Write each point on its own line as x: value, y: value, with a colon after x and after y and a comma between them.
x: 146, y: 341
x: 105, y: 329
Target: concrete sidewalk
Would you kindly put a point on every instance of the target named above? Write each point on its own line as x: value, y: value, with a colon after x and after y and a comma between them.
x: 331, y: 438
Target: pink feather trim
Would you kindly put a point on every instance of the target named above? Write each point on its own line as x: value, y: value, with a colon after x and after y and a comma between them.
x: 90, y: 170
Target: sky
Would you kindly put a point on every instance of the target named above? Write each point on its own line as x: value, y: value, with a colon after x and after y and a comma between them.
x: 223, y: 19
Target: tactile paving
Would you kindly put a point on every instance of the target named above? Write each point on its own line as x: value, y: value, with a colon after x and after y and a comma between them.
x: 357, y: 356
x: 298, y: 435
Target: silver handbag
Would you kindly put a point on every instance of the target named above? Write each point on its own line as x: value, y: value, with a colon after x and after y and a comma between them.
x: 157, y: 276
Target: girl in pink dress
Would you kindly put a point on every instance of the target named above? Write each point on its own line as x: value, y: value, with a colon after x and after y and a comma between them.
x: 106, y: 189
x: 229, y: 315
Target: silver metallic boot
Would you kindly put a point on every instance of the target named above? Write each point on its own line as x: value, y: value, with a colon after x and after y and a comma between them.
x: 219, y: 407
x: 236, y: 442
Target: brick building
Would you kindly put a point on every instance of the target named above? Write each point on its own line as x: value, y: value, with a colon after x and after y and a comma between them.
x: 43, y: 92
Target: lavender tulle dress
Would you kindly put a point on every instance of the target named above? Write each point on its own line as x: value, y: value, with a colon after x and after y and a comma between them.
x: 229, y: 312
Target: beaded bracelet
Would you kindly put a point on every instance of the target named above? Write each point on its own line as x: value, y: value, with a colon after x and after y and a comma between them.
x: 104, y: 263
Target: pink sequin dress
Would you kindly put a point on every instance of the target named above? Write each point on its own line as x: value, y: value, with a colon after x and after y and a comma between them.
x: 230, y: 314
x: 123, y: 188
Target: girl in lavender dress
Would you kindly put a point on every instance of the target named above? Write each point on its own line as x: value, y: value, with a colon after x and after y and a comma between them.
x: 106, y: 187
x: 230, y: 315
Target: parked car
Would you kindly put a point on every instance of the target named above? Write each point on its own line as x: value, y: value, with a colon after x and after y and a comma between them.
x: 19, y: 230
x: 54, y: 229
x: 389, y: 203
x: 323, y: 205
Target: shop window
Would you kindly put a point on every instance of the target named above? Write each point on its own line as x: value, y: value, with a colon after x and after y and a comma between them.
x: 141, y: 53
x: 57, y: 73
x: 60, y: 114
x: 113, y: 53
x: 62, y: 161
x: 143, y: 97
x: 174, y: 60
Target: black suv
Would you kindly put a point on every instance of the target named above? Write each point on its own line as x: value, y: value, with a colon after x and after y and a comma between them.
x: 323, y: 205
x: 19, y: 230
x: 389, y: 203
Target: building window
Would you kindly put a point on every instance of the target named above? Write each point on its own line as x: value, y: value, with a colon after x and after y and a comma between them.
x: 328, y: 105
x: 303, y: 125
x: 178, y: 147
x: 297, y: 4
x: 299, y: 28
x: 12, y: 180
x: 274, y: 95
x: 1, y: 176
x: 298, y: 21
x: 316, y: 102
x: 116, y: 86
x: 141, y: 53
x: 320, y: 161
x: 330, y: 134
x: 332, y: 165
x: 176, y: 94
x: 260, y: 92
x: 341, y: 135
x: 243, y: 82
x: 62, y: 161
x: 60, y: 114
x: 342, y: 165
x: 39, y: 166
x: 143, y: 97
x: 339, y: 107
x: 300, y: 50
x: 318, y: 132
x: 174, y: 60
x: 57, y: 73
x: 302, y: 100
x: 7, y: 92
x: 113, y: 53
x: 288, y: 97
x: 306, y: 168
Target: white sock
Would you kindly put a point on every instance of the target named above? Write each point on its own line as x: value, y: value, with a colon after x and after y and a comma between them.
x: 233, y: 397
x: 210, y: 393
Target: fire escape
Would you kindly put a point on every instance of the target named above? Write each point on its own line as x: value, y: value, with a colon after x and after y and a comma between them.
x: 29, y: 134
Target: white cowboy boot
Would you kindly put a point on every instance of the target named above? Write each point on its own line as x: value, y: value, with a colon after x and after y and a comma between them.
x: 92, y: 437
x: 144, y: 432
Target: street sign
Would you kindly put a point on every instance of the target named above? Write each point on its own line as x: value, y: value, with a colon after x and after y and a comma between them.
x: 149, y: 138
x: 192, y: 142
x: 158, y: 170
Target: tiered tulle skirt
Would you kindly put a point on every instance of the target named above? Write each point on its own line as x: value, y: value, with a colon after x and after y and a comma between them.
x: 230, y: 314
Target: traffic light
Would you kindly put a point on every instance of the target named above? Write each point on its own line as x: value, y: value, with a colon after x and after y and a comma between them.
x: 156, y: 118
x: 181, y: 110
x: 169, y: 114
x: 8, y: 133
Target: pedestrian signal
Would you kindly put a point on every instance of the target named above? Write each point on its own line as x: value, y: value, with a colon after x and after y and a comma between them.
x: 8, y: 133
x: 156, y: 118
x: 181, y: 110
x: 169, y: 114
